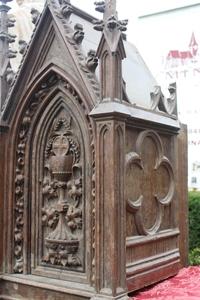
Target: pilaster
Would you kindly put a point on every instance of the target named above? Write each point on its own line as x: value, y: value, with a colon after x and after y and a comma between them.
x: 110, y: 260
x: 110, y: 209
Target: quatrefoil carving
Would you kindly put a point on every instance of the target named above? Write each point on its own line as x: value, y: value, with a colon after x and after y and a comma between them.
x: 148, y: 181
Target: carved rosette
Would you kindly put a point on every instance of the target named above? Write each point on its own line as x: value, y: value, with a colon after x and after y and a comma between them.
x: 62, y: 196
x: 147, y: 179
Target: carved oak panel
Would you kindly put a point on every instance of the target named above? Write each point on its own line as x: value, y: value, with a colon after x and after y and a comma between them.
x: 150, y: 183
x: 55, y: 151
x: 61, y: 212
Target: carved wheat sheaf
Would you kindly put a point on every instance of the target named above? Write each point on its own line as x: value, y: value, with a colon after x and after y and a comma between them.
x: 135, y: 159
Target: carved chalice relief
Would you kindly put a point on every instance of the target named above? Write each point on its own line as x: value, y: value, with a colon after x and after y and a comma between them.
x: 148, y: 171
x: 64, y: 216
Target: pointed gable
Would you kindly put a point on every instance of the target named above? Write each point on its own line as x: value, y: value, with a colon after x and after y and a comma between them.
x: 53, y: 38
x: 54, y: 42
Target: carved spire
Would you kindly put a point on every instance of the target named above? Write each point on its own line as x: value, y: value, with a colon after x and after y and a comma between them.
x: 111, y: 50
x: 6, y: 53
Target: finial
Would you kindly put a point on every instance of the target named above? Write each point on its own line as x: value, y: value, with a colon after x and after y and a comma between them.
x: 111, y: 43
x: 111, y: 6
x: 110, y: 20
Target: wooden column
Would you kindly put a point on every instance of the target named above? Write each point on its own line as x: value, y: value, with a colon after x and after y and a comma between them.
x: 110, y: 209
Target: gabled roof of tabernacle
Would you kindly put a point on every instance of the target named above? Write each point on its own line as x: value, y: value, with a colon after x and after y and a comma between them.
x: 139, y: 81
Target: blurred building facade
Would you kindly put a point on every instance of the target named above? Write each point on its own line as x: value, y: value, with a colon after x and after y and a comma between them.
x: 169, y: 40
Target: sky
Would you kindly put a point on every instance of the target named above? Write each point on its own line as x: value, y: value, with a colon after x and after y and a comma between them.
x: 127, y: 9
x: 132, y: 9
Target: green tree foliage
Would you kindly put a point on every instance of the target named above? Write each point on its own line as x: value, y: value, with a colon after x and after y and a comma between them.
x: 194, y: 228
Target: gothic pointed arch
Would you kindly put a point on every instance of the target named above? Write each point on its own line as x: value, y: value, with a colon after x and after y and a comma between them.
x: 53, y: 149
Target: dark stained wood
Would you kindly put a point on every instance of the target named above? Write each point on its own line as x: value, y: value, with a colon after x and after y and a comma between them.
x: 152, y: 234
x: 91, y: 186
x: 3, y: 133
x: 183, y: 194
x: 14, y: 290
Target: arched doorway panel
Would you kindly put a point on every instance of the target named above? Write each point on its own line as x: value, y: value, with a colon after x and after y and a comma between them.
x: 52, y: 198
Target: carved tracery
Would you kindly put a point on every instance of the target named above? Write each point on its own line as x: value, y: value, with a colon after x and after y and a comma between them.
x: 147, y: 182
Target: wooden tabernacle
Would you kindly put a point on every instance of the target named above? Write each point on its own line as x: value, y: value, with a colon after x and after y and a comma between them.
x: 93, y: 191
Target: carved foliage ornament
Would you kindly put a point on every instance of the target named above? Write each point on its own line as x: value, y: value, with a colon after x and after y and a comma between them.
x: 111, y: 23
x: 66, y: 8
x: 20, y: 170
x: 73, y: 217
x: 75, y: 37
x: 62, y: 191
x: 134, y: 206
x: 35, y: 15
x: 100, y: 6
x: 160, y: 102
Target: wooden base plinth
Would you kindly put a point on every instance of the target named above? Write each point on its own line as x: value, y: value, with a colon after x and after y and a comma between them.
x: 104, y: 297
x: 12, y: 288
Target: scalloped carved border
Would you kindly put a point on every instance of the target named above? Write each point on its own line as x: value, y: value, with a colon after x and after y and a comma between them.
x: 134, y: 205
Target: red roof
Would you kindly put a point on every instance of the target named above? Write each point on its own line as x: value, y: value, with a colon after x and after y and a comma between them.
x: 173, y: 54
x: 185, y: 54
x: 179, y: 54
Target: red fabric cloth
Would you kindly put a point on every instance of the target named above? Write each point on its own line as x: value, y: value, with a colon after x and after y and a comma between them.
x: 184, y: 286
